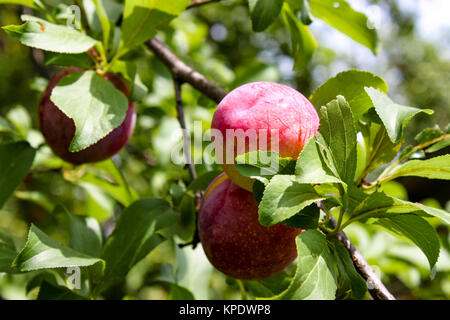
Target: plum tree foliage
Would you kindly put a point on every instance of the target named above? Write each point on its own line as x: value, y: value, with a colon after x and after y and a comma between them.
x: 283, y: 236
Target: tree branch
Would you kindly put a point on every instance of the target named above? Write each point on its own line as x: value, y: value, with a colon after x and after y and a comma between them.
x: 183, y: 73
x: 377, y: 289
x: 197, y: 3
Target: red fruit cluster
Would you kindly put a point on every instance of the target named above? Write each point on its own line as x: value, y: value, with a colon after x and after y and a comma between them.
x: 232, y: 237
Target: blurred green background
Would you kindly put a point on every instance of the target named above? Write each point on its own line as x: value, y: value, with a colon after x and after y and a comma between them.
x: 217, y: 40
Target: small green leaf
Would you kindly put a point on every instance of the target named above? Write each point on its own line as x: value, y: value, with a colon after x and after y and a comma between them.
x: 80, y: 60
x: 94, y: 104
x: 269, y: 287
x: 202, y: 182
x: 283, y: 198
x: 303, y: 43
x: 434, y: 168
x: 339, y: 15
x: 142, y: 19
x: 264, y: 13
x: 307, y: 218
x: 349, y: 84
x: 439, y: 145
x: 394, y: 116
x: 315, y: 278
x: 179, y: 293
x: 312, y: 167
x: 50, y: 291
x: 428, y: 135
x: 28, y: 3
x: 381, y: 205
x: 107, y: 25
x: 106, y: 176
x: 263, y: 164
x: 350, y: 279
x: 41, y: 34
x: 7, y: 255
x: 380, y: 147
x: 338, y: 130
x: 42, y: 252
x: 135, y: 235
x: 418, y: 230
x: 442, y: 214
x: 15, y: 162
x: 85, y: 233
x: 37, y: 197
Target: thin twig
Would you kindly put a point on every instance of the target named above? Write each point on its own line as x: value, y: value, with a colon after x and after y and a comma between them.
x: 187, y: 151
x: 182, y: 121
x: 197, y: 3
x: 183, y: 73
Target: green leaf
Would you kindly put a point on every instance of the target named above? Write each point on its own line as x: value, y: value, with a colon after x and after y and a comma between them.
x: 50, y: 291
x: 85, y: 233
x: 108, y: 178
x: 5, y: 126
x: 380, y: 148
x: 143, y: 18
x: 312, y: 167
x: 428, y: 135
x: 99, y: 204
x: 15, y: 162
x: 269, y: 287
x: 394, y: 116
x: 283, y: 198
x: 350, y: 279
x: 418, y: 230
x: 338, y: 130
x: 349, y: 84
x: 103, y: 107
x: 41, y: 34
x: 307, y: 218
x: 36, y: 197
x: 67, y: 60
x: 381, y: 205
x: 442, y: 214
x: 264, y: 13
x: 339, y: 15
x: 42, y: 252
x: 303, y: 43
x: 202, y: 182
x: 7, y: 255
x: 135, y: 235
x: 315, y: 278
x: 439, y: 145
x: 179, y: 293
x: 434, y: 168
x: 263, y: 163
x: 28, y: 3
x: 107, y: 25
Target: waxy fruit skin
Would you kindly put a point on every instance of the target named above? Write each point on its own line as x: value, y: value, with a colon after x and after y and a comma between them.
x: 233, y: 239
x: 59, y: 130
